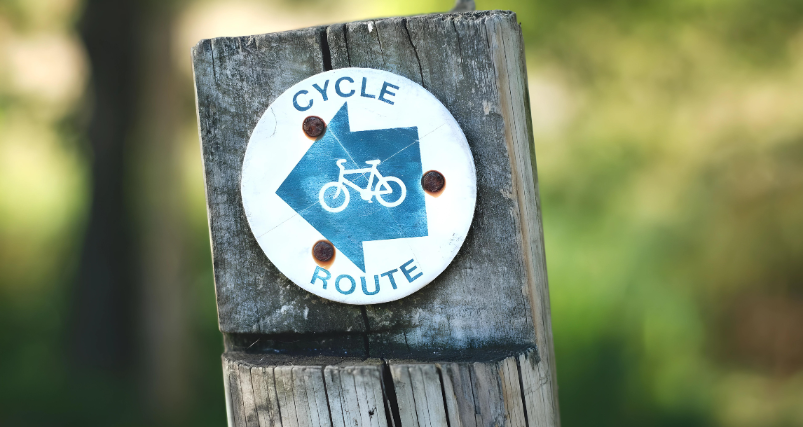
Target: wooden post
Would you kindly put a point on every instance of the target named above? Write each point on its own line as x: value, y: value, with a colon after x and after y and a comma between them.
x: 472, y: 348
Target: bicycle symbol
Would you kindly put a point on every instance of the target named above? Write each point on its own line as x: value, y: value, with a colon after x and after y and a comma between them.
x: 334, y: 203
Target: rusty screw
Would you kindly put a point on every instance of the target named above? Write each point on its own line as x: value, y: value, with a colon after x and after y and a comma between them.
x: 433, y: 181
x: 323, y: 251
x: 313, y: 126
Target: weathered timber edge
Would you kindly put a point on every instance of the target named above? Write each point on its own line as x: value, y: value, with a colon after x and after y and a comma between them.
x: 284, y: 391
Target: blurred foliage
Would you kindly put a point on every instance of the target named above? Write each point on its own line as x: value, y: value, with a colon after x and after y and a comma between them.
x: 670, y: 155
x: 670, y: 150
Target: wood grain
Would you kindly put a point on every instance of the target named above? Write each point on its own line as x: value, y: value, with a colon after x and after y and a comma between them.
x: 236, y: 79
x: 248, y: 397
x: 499, y: 392
x: 267, y: 403
x: 422, y: 403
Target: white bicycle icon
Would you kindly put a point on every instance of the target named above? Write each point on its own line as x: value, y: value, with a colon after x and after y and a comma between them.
x: 332, y: 201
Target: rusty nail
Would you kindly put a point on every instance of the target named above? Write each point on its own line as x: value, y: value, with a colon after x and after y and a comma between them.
x: 323, y: 251
x: 313, y: 126
x: 433, y: 181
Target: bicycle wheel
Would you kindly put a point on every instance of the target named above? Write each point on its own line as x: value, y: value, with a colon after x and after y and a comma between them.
x: 396, y: 191
x: 330, y: 200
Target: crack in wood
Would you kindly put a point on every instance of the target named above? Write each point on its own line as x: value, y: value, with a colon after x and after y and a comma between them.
x: 325, y: 53
x: 415, y: 51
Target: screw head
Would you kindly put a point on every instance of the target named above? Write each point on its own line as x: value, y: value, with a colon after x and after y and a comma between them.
x: 313, y: 126
x: 433, y: 182
x: 323, y: 251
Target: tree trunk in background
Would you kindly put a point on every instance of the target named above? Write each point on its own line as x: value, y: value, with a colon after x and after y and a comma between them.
x: 163, y: 309
x: 102, y: 325
x: 129, y: 318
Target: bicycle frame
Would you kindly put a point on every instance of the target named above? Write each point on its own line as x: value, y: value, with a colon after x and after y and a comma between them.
x: 365, y: 193
x: 382, y: 187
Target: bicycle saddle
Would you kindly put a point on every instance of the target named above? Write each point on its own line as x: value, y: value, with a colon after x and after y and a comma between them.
x: 373, y: 162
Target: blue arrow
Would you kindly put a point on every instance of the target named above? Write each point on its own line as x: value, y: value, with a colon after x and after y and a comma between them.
x: 363, y: 217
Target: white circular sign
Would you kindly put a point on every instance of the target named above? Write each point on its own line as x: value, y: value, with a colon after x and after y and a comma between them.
x: 373, y: 208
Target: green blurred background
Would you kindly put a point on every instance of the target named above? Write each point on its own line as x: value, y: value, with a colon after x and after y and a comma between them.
x: 669, y: 141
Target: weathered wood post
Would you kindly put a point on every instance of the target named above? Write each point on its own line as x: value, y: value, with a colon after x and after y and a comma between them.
x: 474, y: 346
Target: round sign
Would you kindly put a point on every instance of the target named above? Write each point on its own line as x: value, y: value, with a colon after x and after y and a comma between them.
x: 359, y: 185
